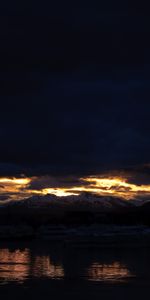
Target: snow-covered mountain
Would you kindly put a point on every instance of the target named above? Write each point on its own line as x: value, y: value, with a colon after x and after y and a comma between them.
x: 83, y: 209
x: 84, y: 201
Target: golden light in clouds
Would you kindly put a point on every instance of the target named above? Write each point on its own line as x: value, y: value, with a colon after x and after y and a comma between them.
x: 115, y: 186
x: 60, y: 192
x: 20, y: 181
x: 19, y: 188
x: 15, y: 188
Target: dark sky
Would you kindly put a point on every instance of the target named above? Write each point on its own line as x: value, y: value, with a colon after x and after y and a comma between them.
x: 74, y: 87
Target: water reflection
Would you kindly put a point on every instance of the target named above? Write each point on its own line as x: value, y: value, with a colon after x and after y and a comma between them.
x: 20, y: 263
x: 14, y: 265
x: 110, y: 272
x: 44, y: 267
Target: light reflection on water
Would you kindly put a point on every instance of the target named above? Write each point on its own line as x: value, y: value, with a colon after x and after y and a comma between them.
x: 14, y: 265
x: 43, y: 267
x: 18, y: 265
x: 21, y: 264
x: 110, y: 272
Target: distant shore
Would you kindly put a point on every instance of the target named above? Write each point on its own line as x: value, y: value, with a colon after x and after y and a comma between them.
x: 93, y: 235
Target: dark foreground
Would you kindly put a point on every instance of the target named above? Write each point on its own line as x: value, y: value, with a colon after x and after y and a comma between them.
x: 46, y: 270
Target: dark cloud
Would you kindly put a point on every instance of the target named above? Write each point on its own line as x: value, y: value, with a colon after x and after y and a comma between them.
x: 77, y: 125
x: 39, y: 183
x: 74, y: 88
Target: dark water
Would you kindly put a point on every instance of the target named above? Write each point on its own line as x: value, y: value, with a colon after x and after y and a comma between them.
x: 44, y: 270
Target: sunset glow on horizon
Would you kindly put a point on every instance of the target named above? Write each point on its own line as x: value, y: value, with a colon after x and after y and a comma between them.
x: 20, y: 181
x: 115, y: 186
x: 19, y: 188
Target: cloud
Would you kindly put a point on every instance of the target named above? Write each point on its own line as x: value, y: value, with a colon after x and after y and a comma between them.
x: 77, y: 125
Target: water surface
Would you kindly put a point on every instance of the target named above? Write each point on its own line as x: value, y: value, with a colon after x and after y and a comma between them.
x: 37, y: 267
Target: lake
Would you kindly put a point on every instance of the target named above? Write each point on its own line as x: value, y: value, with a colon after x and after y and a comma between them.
x: 44, y: 270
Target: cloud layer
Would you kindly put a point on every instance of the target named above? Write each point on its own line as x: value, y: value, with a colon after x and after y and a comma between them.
x: 74, y: 89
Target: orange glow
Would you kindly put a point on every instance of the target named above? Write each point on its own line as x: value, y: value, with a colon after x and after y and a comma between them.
x: 18, y: 181
x: 115, y: 186
x: 19, y: 188
x: 14, y: 186
x: 15, y: 265
x: 19, y: 265
x: 108, y: 272
x: 44, y: 267
x: 60, y: 192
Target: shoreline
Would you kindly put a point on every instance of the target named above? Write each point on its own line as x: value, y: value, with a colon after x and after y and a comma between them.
x: 92, y: 235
